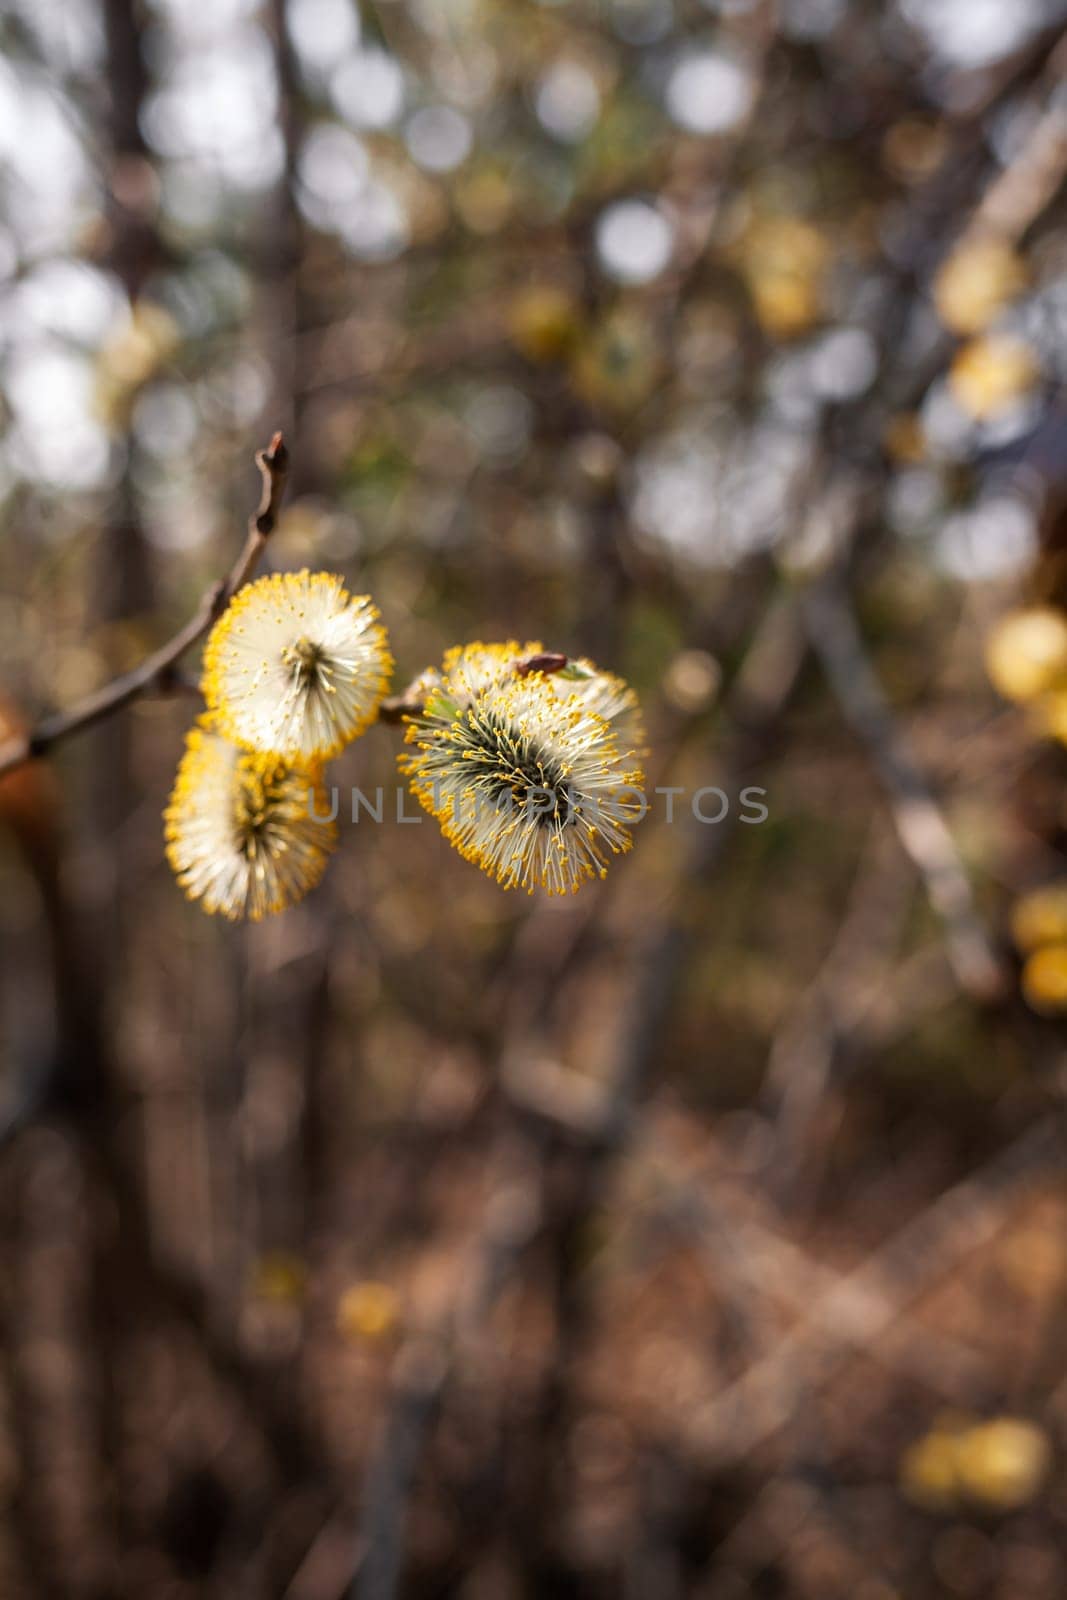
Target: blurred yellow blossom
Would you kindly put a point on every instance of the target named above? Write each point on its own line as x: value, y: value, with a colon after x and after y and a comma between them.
x: 544, y: 322
x: 485, y: 199
x: 1040, y: 917
x: 1004, y: 1463
x: 928, y: 1474
x: 989, y: 375
x: 976, y: 282
x: 1050, y: 715
x: 1000, y: 1464
x: 1044, y: 979
x: 786, y: 305
x: 144, y: 343
x: 783, y: 261
x: 279, y: 1276
x: 369, y: 1311
x: 1026, y: 654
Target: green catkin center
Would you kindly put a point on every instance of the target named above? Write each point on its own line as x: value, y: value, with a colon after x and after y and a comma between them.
x: 512, y: 771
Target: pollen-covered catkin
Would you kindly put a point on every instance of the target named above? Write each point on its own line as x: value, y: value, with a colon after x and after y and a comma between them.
x: 296, y: 666
x: 244, y: 831
x: 533, y: 776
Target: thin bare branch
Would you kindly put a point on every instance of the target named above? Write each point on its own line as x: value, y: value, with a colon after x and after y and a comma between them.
x: 158, y: 671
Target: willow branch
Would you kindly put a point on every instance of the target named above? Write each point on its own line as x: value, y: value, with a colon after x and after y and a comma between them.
x: 158, y: 671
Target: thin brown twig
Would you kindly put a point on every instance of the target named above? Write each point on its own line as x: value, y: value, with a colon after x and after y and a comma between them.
x: 158, y: 671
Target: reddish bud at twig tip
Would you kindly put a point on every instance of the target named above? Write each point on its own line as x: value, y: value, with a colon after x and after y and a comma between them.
x: 549, y: 661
